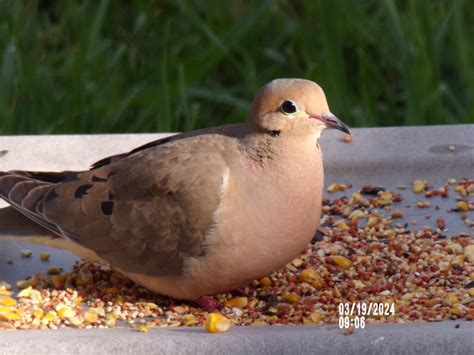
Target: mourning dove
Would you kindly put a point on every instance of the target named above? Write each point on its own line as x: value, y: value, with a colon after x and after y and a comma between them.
x: 192, y: 214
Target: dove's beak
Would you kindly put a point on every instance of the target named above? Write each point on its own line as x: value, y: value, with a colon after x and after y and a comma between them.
x: 331, y: 121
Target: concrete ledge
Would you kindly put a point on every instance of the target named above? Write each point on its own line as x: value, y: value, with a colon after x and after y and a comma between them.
x: 423, y: 338
x: 380, y: 156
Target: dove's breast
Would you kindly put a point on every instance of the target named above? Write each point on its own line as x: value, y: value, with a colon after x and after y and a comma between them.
x: 263, y: 226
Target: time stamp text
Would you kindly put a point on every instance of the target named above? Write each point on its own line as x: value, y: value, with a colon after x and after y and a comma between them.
x: 355, y: 314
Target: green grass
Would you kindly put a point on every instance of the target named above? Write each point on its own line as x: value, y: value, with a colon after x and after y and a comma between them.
x: 140, y: 66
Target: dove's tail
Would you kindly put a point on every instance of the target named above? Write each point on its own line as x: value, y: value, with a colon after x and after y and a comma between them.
x: 25, y: 192
x: 22, y: 222
x: 14, y: 225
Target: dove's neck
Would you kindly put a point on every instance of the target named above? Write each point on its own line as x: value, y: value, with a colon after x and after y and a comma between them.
x: 278, y: 151
x: 259, y: 148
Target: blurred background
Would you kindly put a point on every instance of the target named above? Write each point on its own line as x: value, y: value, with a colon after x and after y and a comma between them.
x: 148, y: 66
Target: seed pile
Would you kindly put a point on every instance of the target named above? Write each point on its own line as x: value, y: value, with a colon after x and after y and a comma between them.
x: 361, y: 254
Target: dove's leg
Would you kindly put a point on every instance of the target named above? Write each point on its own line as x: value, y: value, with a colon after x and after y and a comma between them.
x: 209, y: 304
x: 240, y: 292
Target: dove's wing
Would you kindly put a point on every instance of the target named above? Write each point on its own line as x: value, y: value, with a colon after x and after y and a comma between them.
x: 143, y: 212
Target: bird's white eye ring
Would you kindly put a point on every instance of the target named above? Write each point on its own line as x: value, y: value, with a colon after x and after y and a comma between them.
x: 288, y: 107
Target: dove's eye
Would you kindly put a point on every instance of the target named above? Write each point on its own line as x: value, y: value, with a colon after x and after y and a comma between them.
x: 288, y: 107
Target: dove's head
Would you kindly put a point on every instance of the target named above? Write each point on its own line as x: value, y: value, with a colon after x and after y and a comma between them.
x: 293, y: 107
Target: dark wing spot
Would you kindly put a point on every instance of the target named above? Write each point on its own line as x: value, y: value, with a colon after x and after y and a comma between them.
x: 48, y: 176
x: 107, y: 207
x: 82, y: 190
x: 111, y: 195
x: 98, y: 179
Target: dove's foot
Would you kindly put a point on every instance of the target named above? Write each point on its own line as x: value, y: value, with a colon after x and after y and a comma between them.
x: 209, y: 304
x: 240, y: 292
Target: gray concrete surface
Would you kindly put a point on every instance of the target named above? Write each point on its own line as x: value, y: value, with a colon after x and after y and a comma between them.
x: 380, y: 156
x: 423, y: 338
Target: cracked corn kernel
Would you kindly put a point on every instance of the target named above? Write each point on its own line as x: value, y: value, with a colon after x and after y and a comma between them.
x: 8, y: 315
x: 419, y: 186
x: 238, y: 302
x: 451, y: 298
x: 143, y: 328
x: 5, y: 293
x: 341, y: 261
x: 397, y: 214
x: 216, y: 323
x: 189, y: 320
x: 97, y: 310
x: 315, y: 317
x: 342, y: 225
x: 336, y: 187
x: 265, y: 281
x: 455, y: 311
x: 110, y: 321
x: 297, y: 262
x: 292, y: 297
x: 49, y: 317
x: 359, y: 284
x: 38, y: 313
x: 356, y: 214
x: 91, y: 317
x: 311, y: 276
x: 66, y: 312
x: 75, y: 321
x: 7, y: 301
x: 458, y: 260
x: 29, y: 292
x: 54, y: 271
x: 347, y: 138
x: 462, y: 206
x: 25, y: 293
x: 389, y: 233
x: 385, y: 198
x: 44, y: 256
x: 371, y: 221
